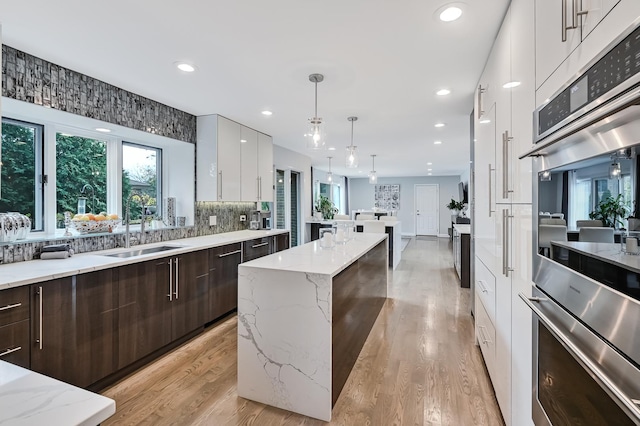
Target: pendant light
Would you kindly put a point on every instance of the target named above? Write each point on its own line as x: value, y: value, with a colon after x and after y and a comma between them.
x: 373, y: 177
x: 330, y: 175
x: 614, y: 170
x: 315, y: 135
x: 352, y: 153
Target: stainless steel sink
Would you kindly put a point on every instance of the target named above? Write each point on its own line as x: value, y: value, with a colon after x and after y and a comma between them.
x: 141, y: 251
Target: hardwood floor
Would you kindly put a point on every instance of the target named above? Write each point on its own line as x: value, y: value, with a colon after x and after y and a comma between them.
x: 419, y: 366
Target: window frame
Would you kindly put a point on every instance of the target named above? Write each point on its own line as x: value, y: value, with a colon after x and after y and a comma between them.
x: 159, y: 172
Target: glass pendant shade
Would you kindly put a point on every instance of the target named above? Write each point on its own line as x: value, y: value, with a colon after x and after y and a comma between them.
x: 329, y: 177
x: 614, y: 171
x: 373, y: 177
x: 352, y: 157
x: 315, y: 134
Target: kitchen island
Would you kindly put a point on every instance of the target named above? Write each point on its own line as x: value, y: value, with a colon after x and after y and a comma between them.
x: 303, y: 317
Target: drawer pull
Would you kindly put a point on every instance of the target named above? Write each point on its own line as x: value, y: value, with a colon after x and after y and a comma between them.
x: 230, y: 253
x: 482, y: 287
x: 260, y: 245
x: 10, y: 351
x: 15, y: 305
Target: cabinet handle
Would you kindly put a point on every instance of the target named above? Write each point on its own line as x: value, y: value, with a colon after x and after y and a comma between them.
x: 576, y: 12
x: 15, y: 305
x: 260, y: 245
x: 10, y: 351
x: 505, y: 243
x: 39, y: 341
x: 258, y: 188
x: 230, y: 253
x: 484, y: 338
x: 220, y: 183
x: 482, y: 286
x: 574, y: 18
x: 505, y: 164
x: 490, y: 170
x: 170, y: 295
x: 177, y: 278
x: 481, y: 90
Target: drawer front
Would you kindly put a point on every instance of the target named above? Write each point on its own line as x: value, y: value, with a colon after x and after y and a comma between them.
x: 486, y: 289
x: 14, y: 305
x: 254, y: 249
x: 14, y: 343
x: 486, y: 337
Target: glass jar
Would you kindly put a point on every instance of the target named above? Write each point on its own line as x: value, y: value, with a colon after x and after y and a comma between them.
x: 327, y: 237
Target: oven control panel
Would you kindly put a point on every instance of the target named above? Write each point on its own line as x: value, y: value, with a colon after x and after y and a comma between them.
x: 613, y: 68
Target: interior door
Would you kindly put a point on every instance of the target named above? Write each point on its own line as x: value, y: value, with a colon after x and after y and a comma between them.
x: 426, y: 202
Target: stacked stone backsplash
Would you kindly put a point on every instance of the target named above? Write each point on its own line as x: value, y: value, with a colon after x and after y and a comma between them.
x: 227, y: 218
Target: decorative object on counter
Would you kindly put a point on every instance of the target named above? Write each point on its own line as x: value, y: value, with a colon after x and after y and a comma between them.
x: 8, y: 228
x: 171, y: 211
x: 90, y: 223
x: 82, y: 200
x: 67, y: 223
x: 352, y: 150
x: 344, y: 232
x: 373, y: 176
x: 56, y: 251
x: 325, y: 207
x: 23, y: 224
x: 611, y: 210
x: 181, y: 221
x: 387, y: 197
x: 315, y: 135
x: 327, y: 237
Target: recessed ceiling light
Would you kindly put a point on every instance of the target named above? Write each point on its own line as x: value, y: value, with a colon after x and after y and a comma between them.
x: 451, y: 13
x: 103, y: 130
x: 429, y: 170
x: 439, y: 125
x: 511, y: 84
x: 429, y: 174
x: 485, y: 121
x: 443, y: 92
x: 359, y: 171
x: 243, y: 140
x: 437, y: 143
x: 183, y: 66
x: 266, y: 112
x: 332, y: 148
x: 429, y: 164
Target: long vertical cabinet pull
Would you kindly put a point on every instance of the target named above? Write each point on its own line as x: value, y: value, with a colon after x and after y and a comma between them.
x: 491, y: 169
x: 170, y: 295
x: 505, y: 164
x: 506, y: 268
x: 177, y: 278
x: 576, y: 13
x: 258, y: 188
x: 40, y: 312
x: 481, y: 90
x: 220, y: 185
x: 563, y: 23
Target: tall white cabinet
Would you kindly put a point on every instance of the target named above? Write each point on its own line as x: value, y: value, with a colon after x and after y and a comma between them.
x: 234, y: 162
x: 506, y: 98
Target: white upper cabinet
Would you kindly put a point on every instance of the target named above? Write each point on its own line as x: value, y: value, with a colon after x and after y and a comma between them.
x: 593, y: 11
x: 249, y: 162
x: 228, y: 145
x: 265, y: 167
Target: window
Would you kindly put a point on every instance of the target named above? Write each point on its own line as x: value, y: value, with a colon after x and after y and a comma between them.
x: 21, y: 180
x: 81, y: 172
x: 142, y: 174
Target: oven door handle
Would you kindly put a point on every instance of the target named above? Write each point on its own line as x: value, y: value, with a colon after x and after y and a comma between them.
x: 576, y: 352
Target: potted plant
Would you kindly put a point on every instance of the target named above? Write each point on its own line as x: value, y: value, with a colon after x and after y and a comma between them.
x: 326, y: 207
x: 611, y: 211
x: 456, y: 206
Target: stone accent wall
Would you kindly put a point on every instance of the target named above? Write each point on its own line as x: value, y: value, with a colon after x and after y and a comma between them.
x: 34, y: 80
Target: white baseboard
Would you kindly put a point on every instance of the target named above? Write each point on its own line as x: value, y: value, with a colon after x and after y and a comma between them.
x: 408, y: 234
x: 443, y: 236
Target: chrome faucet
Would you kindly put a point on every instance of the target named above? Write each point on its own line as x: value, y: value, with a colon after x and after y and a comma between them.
x: 127, y: 234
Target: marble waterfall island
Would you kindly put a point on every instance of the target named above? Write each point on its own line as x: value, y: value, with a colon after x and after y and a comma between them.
x: 303, y: 317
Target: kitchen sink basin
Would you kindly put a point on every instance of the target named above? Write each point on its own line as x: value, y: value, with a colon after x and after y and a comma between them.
x: 141, y: 251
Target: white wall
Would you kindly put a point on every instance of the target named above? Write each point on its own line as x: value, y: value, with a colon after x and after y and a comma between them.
x: 361, y: 197
x: 285, y: 159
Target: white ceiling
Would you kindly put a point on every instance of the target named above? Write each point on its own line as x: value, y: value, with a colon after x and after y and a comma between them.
x: 383, y: 61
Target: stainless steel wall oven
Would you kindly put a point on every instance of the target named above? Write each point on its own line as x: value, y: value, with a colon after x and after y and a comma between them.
x: 586, y: 298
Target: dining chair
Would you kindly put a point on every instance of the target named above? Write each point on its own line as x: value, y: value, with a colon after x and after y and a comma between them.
x: 596, y: 234
x: 553, y: 221
x: 548, y: 233
x: 588, y: 223
x: 374, y: 226
x: 341, y: 217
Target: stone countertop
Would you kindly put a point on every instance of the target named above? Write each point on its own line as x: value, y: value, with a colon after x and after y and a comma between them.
x: 607, y: 252
x: 33, y: 271
x: 311, y: 258
x: 462, y: 228
x: 30, y: 398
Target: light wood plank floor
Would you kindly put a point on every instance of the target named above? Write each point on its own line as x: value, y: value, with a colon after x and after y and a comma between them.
x: 419, y: 366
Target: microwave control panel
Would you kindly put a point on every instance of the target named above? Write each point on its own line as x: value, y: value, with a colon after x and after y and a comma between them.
x: 614, y: 68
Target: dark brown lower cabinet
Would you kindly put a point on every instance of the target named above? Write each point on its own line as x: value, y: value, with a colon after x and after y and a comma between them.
x: 190, y: 296
x: 15, y: 344
x: 254, y: 249
x: 223, y: 279
x: 144, y: 310
x: 281, y: 242
x: 74, y: 322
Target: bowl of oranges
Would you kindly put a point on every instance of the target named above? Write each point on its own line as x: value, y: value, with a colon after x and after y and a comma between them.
x: 95, y: 223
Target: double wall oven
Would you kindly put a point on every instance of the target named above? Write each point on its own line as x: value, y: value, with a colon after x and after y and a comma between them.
x: 586, y: 297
